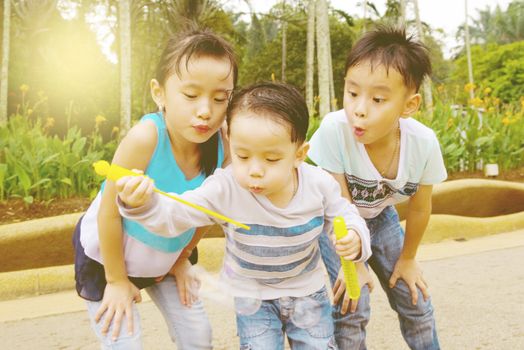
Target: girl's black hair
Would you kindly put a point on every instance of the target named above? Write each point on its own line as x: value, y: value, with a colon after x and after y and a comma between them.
x: 179, y: 50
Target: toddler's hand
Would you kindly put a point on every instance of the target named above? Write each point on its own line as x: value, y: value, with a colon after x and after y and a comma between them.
x: 134, y: 191
x: 350, y: 246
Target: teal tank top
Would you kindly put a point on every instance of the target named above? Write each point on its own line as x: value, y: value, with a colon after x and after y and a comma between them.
x: 168, y: 177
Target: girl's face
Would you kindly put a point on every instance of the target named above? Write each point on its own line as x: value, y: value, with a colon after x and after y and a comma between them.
x: 263, y: 156
x: 195, y: 99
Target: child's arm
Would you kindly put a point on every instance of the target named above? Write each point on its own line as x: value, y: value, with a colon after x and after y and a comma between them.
x: 133, y: 152
x: 407, y: 268
x: 165, y: 216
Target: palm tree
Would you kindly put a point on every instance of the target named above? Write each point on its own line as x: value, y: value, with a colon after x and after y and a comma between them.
x: 468, y: 51
x: 323, y: 59
x: 310, y: 53
x: 426, y: 84
x: 5, y: 62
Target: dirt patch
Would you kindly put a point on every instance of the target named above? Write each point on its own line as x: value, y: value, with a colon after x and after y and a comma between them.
x: 15, y: 210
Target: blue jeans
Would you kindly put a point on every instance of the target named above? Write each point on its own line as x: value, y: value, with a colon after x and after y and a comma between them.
x: 417, y: 322
x: 265, y: 328
x: 189, y: 328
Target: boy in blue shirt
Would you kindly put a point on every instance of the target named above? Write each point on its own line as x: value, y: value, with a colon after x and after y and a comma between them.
x: 380, y: 156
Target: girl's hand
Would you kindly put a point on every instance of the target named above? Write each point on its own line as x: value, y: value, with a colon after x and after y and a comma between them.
x: 134, y: 191
x: 349, y: 246
x: 410, y: 271
x: 187, y: 281
x: 364, y: 277
x: 116, y: 304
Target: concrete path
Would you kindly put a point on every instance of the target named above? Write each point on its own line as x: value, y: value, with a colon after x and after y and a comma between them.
x: 477, y: 288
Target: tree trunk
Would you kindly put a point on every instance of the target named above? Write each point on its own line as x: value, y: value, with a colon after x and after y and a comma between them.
x: 284, y: 43
x: 402, y: 17
x: 124, y: 21
x: 5, y: 62
x: 426, y: 84
x: 323, y: 57
x: 468, y: 52
x: 310, y: 55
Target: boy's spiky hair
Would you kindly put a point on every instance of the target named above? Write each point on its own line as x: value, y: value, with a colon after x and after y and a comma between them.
x: 391, y: 47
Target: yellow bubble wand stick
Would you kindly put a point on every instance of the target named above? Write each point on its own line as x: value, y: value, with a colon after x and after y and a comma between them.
x: 115, y: 172
x: 349, y: 268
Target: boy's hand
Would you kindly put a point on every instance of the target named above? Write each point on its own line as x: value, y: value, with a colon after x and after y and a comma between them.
x: 364, y: 277
x: 410, y: 272
x: 348, y: 247
x: 187, y: 281
x: 134, y: 191
x: 117, y: 304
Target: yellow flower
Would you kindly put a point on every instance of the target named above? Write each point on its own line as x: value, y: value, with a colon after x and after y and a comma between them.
x: 440, y: 88
x: 487, y: 91
x: 49, y: 122
x: 491, y: 109
x: 496, y: 101
x: 476, y: 102
x: 469, y: 86
x: 450, y: 123
x: 273, y: 77
x: 24, y: 88
x: 506, y: 121
x: 115, y: 130
x: 99, y: 119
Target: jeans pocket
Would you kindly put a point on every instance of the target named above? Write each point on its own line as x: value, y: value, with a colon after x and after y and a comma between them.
x: 253, y: 325
x: 324, y: 328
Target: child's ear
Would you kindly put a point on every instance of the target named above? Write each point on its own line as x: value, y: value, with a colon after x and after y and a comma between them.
x: 157, y: 92
x: 412, y: 105
x: 301, y: 153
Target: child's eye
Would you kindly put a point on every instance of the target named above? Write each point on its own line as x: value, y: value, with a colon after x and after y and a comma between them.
x: 189, y: 96
x: 378, y: 100
x: 352, y: 94
x: 241, y: 157
x: 220, y: 100
x: 272, y: 160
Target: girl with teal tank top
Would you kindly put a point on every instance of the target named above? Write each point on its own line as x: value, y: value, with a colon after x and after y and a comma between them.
x: 168, y: 177
x: 178, y: 147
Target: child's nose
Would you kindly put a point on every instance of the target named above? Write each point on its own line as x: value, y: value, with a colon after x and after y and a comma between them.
x: 204, y: 110
x: 255, y: 169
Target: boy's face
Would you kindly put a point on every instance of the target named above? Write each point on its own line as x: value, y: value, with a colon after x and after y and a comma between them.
x: 374, y: 100
x: 263, y: 156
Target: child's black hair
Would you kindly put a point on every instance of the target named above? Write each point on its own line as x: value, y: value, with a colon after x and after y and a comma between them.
x: 179, y: 50
x: 391, y: 47
x: 279, y: 101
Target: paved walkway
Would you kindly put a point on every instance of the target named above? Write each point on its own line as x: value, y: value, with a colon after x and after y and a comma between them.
x: 477, y: 288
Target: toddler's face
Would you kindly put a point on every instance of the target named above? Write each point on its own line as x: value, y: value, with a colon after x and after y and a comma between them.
x: 263, y: 156
x: 374, y: 100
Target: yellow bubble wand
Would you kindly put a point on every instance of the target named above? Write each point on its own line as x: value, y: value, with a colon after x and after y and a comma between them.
x: 114, y: 172
x: 349, y: 268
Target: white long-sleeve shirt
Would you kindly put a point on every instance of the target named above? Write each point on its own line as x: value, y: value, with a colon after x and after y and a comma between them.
x: 279, y: 256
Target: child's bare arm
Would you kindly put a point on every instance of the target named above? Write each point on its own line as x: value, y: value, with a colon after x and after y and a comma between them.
x: 406, y: 268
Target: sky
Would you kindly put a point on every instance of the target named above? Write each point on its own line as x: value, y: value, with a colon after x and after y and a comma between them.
x: 445, y: 14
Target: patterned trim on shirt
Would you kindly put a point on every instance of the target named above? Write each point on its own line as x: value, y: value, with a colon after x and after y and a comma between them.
x: 372, y: 193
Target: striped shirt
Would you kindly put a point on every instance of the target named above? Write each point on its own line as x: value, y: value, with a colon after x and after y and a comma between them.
x: 279, y: 256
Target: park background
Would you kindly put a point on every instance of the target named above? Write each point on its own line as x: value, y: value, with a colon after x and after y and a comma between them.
x: 75, y: 77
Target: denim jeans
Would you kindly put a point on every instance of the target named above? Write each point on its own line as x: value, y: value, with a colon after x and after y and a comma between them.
x: 189, y: 328
x: 265, y: 328
x: 417, y: 322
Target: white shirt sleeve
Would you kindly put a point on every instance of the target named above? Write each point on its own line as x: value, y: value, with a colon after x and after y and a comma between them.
x: 336, y: 205
x: 326, y: 147
x: 168, y: 217
x: 435, y: 171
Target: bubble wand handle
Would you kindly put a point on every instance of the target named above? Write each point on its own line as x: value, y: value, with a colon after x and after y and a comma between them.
x: 349, y: 268
x: 114, y: 172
